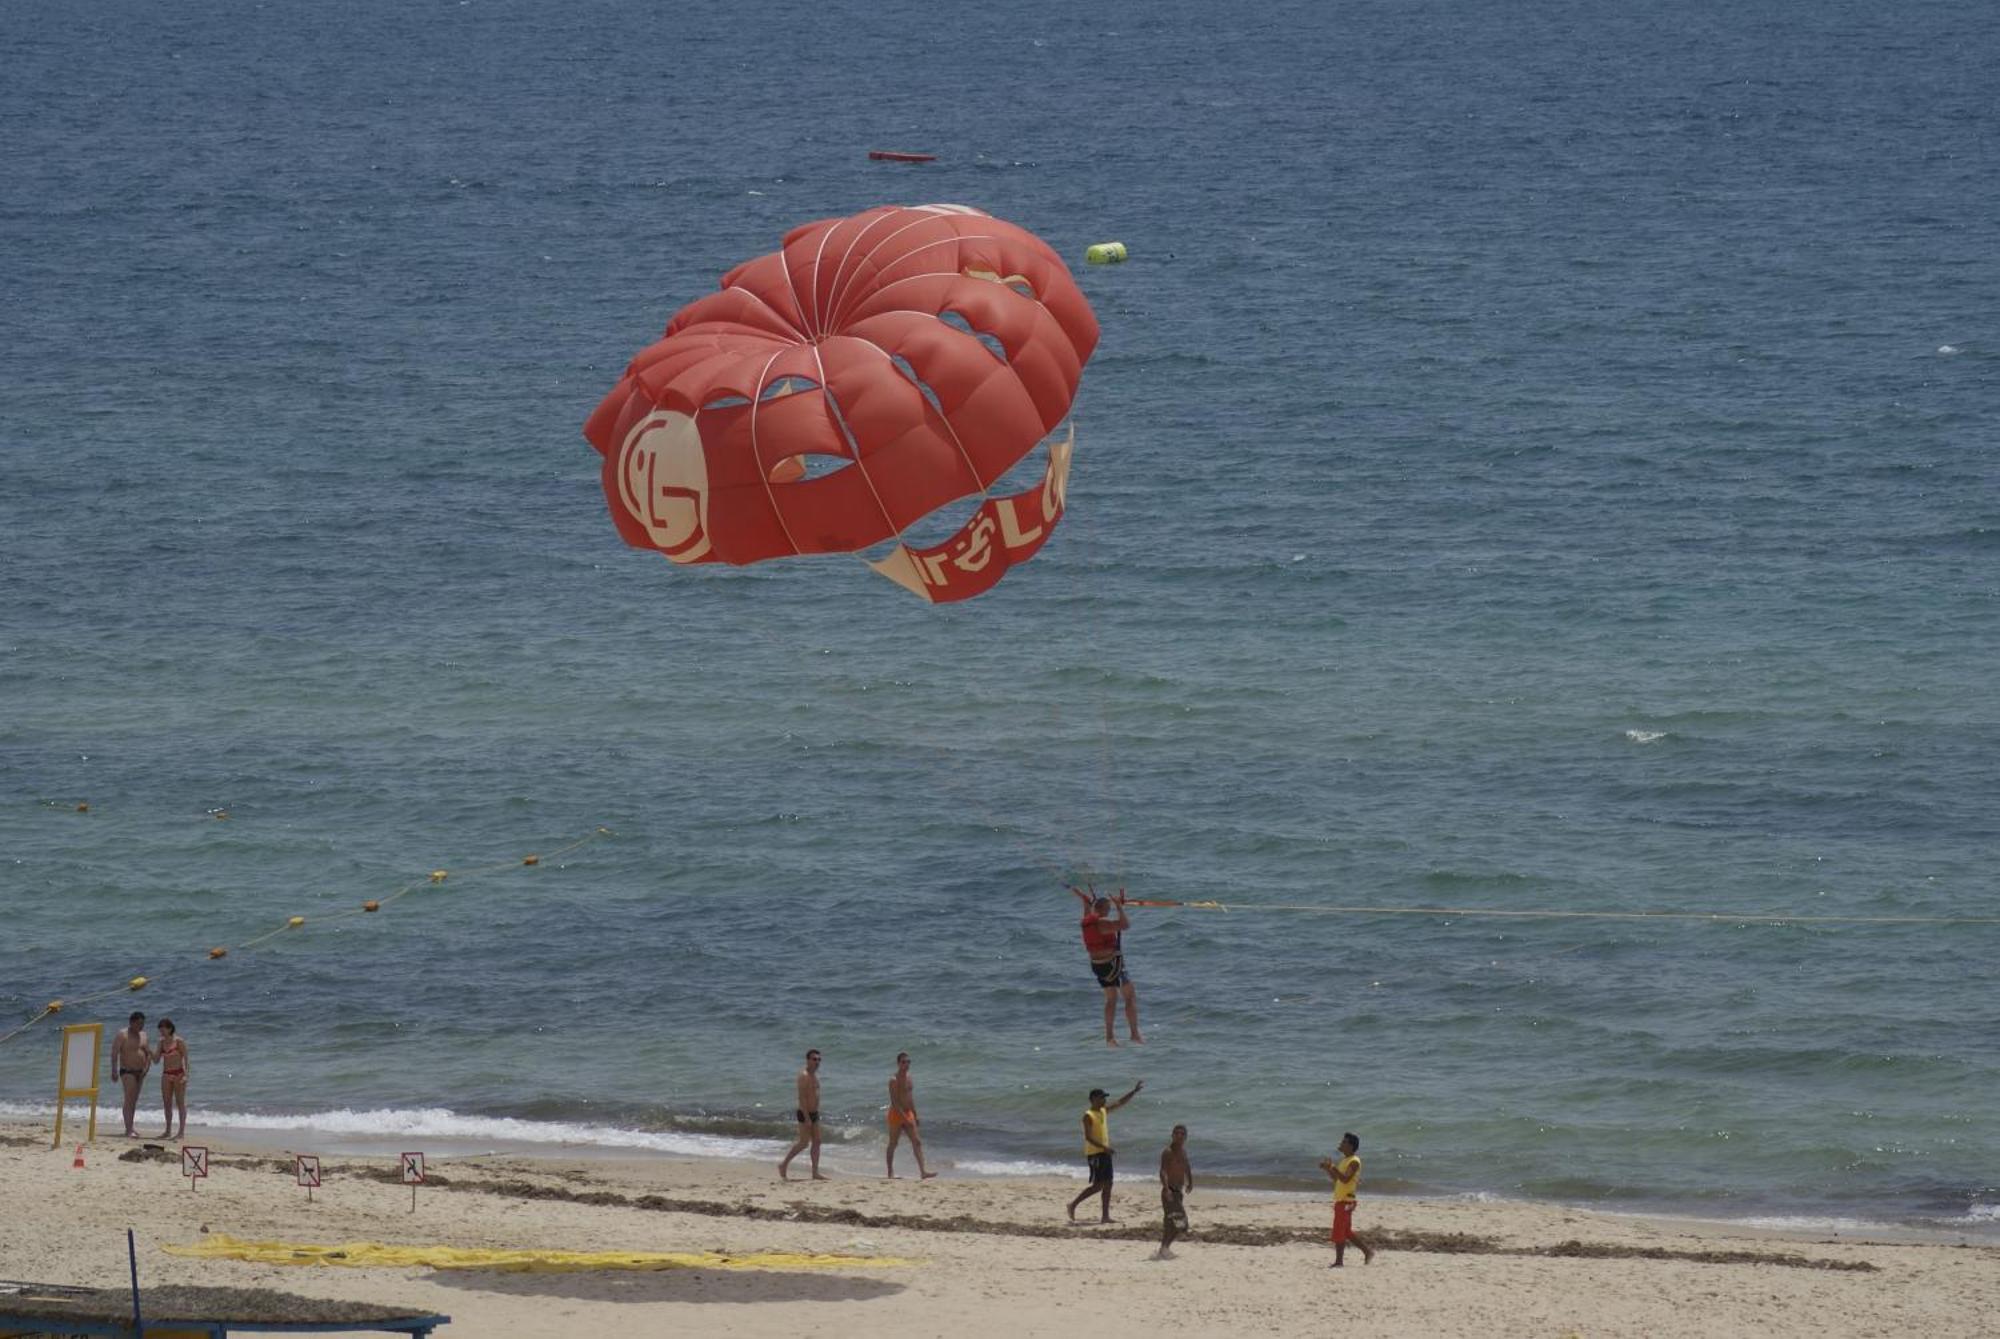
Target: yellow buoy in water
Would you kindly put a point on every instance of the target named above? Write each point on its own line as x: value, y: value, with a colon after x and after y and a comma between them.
x: 1105, y: 253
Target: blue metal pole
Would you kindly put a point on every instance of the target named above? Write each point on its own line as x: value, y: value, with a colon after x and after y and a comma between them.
x: 132, y: 1254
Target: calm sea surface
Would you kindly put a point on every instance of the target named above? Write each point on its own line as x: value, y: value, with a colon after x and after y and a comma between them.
x: 1540, y: 456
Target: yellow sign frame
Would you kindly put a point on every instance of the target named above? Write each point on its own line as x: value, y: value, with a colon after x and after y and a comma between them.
x: 65, y: 1090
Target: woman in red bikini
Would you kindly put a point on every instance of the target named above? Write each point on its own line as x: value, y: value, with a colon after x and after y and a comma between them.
x: 173, y: 1057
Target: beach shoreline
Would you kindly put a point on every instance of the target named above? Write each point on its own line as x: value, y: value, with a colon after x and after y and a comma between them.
x: 860, y: 1158
x: 988, y: 1255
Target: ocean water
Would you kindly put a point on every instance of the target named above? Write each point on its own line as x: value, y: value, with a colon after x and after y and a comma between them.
x: 1539, y: 457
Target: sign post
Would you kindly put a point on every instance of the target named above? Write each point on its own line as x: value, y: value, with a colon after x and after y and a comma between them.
x: 77, y: 1076
x: 194, y: 1164
x: 307, y: 1167
x: 413, y: 1175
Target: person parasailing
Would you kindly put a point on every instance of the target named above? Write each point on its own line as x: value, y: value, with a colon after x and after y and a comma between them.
x: 1104, y: 926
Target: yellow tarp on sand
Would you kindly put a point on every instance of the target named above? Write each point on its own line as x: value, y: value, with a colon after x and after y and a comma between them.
x: 376, y: 1255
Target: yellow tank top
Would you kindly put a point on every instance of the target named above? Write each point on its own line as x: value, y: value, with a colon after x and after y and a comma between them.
x: 1344, y: 1189
x: 1097, y: 1132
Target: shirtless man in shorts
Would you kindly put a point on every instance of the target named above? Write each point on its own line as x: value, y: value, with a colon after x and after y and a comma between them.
x: 807, y: 1115
x: 903, y: 1116
x: 1176, y: 1183
x: 130, y: 1059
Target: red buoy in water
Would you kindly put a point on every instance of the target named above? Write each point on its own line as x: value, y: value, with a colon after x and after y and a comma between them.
x: 891, y: 156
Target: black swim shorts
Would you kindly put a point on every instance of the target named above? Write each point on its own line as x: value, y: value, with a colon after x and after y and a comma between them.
x: 805, y: 1117
x: 1111, y: 973
x: 1100, y: 1168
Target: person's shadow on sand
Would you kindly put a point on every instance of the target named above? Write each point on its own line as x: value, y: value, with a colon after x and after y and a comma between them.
x: 674, y: 1285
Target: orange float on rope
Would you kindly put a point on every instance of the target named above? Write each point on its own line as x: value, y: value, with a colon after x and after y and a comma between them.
x: 531, y: 860
x: 371, y: 906
x: 218, y: 952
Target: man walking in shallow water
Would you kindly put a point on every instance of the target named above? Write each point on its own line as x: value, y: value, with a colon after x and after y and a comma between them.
x: 903, y: 1116
x: 807, y: 1116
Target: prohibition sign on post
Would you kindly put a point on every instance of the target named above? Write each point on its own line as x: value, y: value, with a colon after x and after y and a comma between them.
x: 194, y: 1163
x: 307, y: 1166
x: 413, y: 1175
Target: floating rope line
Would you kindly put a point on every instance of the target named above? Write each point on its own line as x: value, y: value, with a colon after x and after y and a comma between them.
x: 436, y: 876
x: 1539, y: 913
x: 52, y: 1007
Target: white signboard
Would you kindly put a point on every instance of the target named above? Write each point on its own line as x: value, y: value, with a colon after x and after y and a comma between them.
x: 79, y: 1056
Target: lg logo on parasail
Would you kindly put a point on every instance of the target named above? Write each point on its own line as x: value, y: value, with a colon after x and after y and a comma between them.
x: 663, y: 482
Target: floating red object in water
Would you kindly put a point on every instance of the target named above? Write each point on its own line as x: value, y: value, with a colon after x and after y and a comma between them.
x: 891, y: 156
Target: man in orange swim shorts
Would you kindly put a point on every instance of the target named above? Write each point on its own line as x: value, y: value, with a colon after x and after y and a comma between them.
x: 903, y: 1116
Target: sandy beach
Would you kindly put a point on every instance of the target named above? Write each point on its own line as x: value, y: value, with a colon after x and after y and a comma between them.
x: 978, y: 1257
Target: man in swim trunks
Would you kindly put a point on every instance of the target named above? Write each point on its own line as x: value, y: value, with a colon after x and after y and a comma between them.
x: 903, y: 1116
x: 1097, y: 1148
x: 1346, y: 1175
x: 130, y: 1059
x: 807, y: 1115
x: 172, y: 1053
x: 1104, y: 926
x: 1176, y: 1182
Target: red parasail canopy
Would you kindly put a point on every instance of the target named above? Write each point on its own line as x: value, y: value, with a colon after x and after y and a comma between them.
x: 835, y: 392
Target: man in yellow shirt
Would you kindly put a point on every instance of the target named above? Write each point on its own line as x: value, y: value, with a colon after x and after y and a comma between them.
x: 1097, y: 1148
x: 1346, y: 1176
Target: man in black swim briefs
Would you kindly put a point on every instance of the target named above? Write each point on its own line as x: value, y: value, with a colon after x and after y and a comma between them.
x: 807, y: 1116
x: 130, y: 1059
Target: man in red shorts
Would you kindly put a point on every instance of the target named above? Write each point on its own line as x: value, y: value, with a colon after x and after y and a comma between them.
x: 1346, y: 1175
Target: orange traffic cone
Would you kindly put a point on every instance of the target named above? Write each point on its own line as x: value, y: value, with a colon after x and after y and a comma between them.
x: 77, y: 1165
